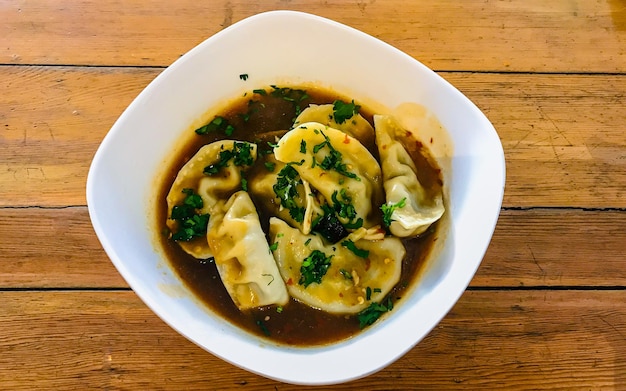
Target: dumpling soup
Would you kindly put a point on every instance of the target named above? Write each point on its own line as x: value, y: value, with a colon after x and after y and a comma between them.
x: 299, y: 215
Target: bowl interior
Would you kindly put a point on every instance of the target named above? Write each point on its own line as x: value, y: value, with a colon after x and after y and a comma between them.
x: 276, y: 48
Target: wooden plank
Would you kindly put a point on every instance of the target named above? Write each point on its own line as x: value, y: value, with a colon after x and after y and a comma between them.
x: 563, y: 135
x: 521, y: 35
x: 52, y: 121
x: 514, y: 340
x: 47, y: 248
x: 52, y: 248
x: 546, y: 247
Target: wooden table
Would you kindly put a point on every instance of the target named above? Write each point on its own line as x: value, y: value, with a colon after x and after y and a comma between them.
x: 547, y: 307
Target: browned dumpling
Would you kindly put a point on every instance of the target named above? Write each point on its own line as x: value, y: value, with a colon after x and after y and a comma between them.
x: 414, y: 209
x: 242, y: 255
x: 213, y: 189
x: 350, y: 282
x: 338, y: 166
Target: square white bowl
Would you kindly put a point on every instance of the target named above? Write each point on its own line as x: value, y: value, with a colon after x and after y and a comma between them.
x: 274, y: 48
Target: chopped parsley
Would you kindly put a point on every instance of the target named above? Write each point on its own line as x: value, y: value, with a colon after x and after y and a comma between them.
x: 302, y: 146
x: 263, y: 327
x: 333, y: 160
x: 344, y: 111
x: 240, y: 154
x: 286, y: 189
x: 295, y: 96
x: 229, y: 130
x: 218, y: 123
x: 245, y: 117
x: 191, y: 224
x: 260, y: 91
x: 270, y: 166
x: 289, y: 94
x: 371, y: 314
x: 349, y: 244
x: 274, y: 247
x: 346, y: 274
x: 243, y: 76
x: 313, y: 268
x: 388, y: 210
x: 344, y: 207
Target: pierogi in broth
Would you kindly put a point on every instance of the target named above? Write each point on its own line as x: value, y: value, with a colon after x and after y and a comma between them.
x: 299, y: 214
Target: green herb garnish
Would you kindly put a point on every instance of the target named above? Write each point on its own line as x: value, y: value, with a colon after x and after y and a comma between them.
x: 240, y: 154
x: 388, y: 210
x: 346, y: 274
x: 344, y: 111
x: 333, y: 160
x: 349, y: 244
x: 375, y: 310
x: 260, y: 91
x: 218, y: 123
x: 302, y: 146
x: 229, y: 130
x: 263, y: 327
x: 345, y: 209
x: 313, y: 268
x: 295, y: 96
x: 270, y: 166
x: 245, y: 117
x: 289, y: 94
x: 286, y: 190
x: 243, y: 76
x: 191, y: 224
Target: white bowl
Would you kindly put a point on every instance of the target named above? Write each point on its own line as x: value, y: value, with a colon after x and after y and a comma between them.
x: 272, y: 48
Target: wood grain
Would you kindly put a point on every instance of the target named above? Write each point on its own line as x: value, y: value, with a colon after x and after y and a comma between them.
x: 556, y: 247
x: 57, y: 248
x: 521, y: 35
x: 52, y: 248
x: 540, y: 340
x: 545, y: 309
x: 563, y: 135
x: 52, y: 121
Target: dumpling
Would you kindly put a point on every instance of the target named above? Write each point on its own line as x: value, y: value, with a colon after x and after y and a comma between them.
x: 339, y: 167
x: 243, y: 257
x: 343, y: 282
x: 356, y: 126
x: 286, y: 195
x: 402, y: 186
x: 224, y: 160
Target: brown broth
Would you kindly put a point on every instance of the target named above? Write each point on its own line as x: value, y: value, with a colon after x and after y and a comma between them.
x: 297, y: 324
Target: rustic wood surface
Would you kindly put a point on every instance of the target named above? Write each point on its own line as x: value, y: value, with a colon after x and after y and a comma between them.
x: 546, y: 308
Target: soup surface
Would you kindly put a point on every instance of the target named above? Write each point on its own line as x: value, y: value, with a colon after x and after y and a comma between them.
x: 262, y: 117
